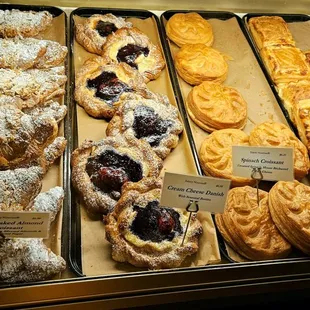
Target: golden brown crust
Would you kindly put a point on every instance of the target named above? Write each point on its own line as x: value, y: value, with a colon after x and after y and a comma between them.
x: 279, y: 135
x: 86, y: 96
x: 215, y: 154
x: 270, y: 31
x: 213, y: 106
x: 285, y: 64
x: 248, y: 228
x: 96, y: 200
x: 129, y: 247
x: 149, y: 65
x: 289, y: 206
x: 196, y: 63
x: 296, y: 98
x: 87, y: 35
x: 16, y: 23
x: 123, y: 121
x: 307, y: 54
x: 189, y: 28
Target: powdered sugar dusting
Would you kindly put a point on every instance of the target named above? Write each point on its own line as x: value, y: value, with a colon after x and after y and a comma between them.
x: 30, y: 53
x: 19, y: 23
x: 26, y: 260
x: 19, y: 187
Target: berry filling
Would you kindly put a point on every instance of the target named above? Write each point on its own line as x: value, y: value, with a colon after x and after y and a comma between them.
x: 147, y: 124
x: 108, y: 87
x: 130, y: 53
x: 105, y: 28
x: 110, y: 170
x: 156, y: 224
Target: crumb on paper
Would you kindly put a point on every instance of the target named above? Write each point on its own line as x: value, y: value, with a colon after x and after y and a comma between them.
x: 270, y: 116
x: 248, y: 85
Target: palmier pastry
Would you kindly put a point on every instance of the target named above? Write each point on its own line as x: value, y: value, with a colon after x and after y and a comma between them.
x: 32, y: 86
x: 146, y: 234
x: 196, y: 63
x: 285, y: 64
x: 101, y: 86
x: 99, y: 169
x: 30, y: 53
x: 154, y: 120
x: 94, y: 32
x: 279, y: 135
x: 16, y: 23
x: 213, y: 106
x: 296, y: 99
x: 215, y: 154
x: 189, y: 28
x: 248, y: 227
x: 132, y: 46
x: 270, y: 31
x: 290, y: 210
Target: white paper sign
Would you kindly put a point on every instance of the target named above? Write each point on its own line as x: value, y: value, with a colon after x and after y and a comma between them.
x: 276, y: 163
x: 24, y: 224
x: 179, y: 189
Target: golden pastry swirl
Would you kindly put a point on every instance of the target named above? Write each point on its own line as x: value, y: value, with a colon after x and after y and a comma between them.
x: 215, y: 154
x: 279, y: 135
x: 146, y: 234
x: 196, y: 63
x: 290, y: 210
x: 189, y: 28
x: 214, y: 106
x: 248, y: 228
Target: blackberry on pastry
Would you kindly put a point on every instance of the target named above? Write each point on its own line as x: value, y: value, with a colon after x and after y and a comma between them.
x: 101, y: 86
x: 132, y: 46
x: 151, y: 119
x: 145, y: 234
x: 94, y: 32
x: 100, y: 169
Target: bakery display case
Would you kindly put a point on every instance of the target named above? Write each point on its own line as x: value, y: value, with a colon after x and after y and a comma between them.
x: 82, y: 235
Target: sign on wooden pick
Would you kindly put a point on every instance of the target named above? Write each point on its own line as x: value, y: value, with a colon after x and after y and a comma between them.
x: 24, y: 224
x: 275, y: 163
x: 179, y: 190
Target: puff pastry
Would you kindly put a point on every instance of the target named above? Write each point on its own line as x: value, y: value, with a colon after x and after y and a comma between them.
x: 132, y: 46
x: 248, y: 227
x: 32, y: 86
x: 101, y: 86
x: 214, y: 106
x: 215, y: 154
x: 290, y: 210
x: 307, y: 54
x: 296, y: 99
x: 189, y: 28
x: 277, y: 134
x: 30, y: 53
x: 94, y: 32
x: 285, y: 64
x: 99, y: 169
x: 153, y: 120
x: 146, y: 234
x: 270, y: 31
x: 16, y: 23
x: 196, y: 63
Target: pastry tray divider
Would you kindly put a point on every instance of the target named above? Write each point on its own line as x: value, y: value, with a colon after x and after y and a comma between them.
x: 75, y: 242
x: 174, y: 77
x: 65, y: 230
x: 288, y: 18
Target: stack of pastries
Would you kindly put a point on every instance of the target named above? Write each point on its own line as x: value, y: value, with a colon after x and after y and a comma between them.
x: 211, y: 105
x: 118, y: 175
x: 32, y: 76
x: 288, y: 67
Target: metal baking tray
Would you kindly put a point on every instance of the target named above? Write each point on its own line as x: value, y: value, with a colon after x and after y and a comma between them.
x: 83, y: 257
x: 242, y: 49
x: 57, y: 175
x: 289, y: 18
